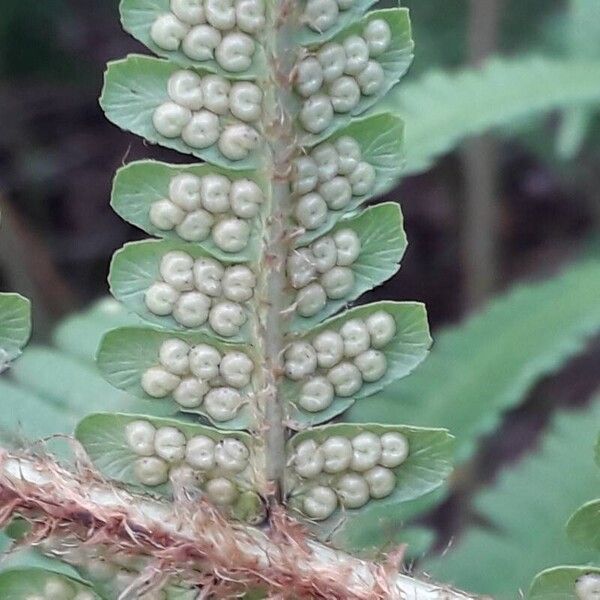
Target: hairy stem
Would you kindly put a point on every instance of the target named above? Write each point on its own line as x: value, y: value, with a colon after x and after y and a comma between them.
x: 192, y: 535
x: 280, y: 141
x: 275, y: 257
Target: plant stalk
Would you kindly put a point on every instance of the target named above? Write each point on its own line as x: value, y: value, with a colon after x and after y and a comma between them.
x: 280, y: 146
x: 282, y: 558
x: 274, y: 293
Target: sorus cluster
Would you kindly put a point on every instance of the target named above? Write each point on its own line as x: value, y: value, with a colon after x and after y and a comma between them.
x: 211, y: 30
x: 213, y: 205
x: 321, y: 15
x: 338, y: 363
x: 200, y: 375
x: 200, y: 111
x: 196, y: 291
x: 166, y: 452
x: 337, y: 75
x: 348, y: 472
x: 59, y: 588
x: 323, y: 270
x: 328, y: 178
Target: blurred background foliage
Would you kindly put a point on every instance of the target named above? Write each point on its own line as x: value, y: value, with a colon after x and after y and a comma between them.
x: 504, y: 249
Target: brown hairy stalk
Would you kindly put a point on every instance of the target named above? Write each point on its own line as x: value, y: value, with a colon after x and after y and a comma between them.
x: 190, y: 540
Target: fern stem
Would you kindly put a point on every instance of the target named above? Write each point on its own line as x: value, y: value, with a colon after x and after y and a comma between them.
x: 281, y: 558
x: 275, y: 283
x: 279, y: 136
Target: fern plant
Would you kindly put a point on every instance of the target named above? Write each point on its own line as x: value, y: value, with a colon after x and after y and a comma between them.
x: 231, y: 480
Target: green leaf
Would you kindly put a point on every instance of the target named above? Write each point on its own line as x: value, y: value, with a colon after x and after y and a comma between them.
x: 441, y: 109
x: 428, y: 464
x: 138, y: 185
x: 27, y: 417
x: 572, y: 132
x: 416, y: 540
x: 558, y: 583
x: 135, y: 267
x: 383, y: 243
x: 525, y: 511
x: 381, y: 138
x: 125, y: 354
x: 383, y: 527
x: 583, y: 28
x: 584, y: 526
x: 404, y: 352
x: 72, y: 385
x: 15, y: 326
x: 137, y: 17
x: 26, y: 558
x: 103, y: 437
x: 134, y: 87
x: 79, y: 334
x: 469, y: 382
x: 26, y: 583
x: 395, y: 61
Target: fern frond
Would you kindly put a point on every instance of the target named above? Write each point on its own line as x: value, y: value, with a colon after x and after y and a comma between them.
x: 525, y: 511
x: 441, y: 109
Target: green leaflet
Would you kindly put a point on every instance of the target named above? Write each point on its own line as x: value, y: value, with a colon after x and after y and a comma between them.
x: 27, y: 417
x: 584, y: 526
x: 583, y: 28
x: 408, y: 349
x: 582, y: 31
x: 134, y: 87
x: 379, y: 528
x: 468, y: 382
x: 426, y: 467
x: 381, y: 139
x: 558, y: 583
x: 25, y: 583
x: 29, y: 558
x: 15, y: 326
x: 441, y: 109
x: 525, y: 512
x: 79, y: 334
x: 139, y: 184
x: 103, y: 437
x: 395, y: 62
x: 573, y: 131
x: 135, y: 267
x: 137, y: 17
x: 72, y: 386
x: 125, y: 354
x: 383, y: 243
x: 416, y: 539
